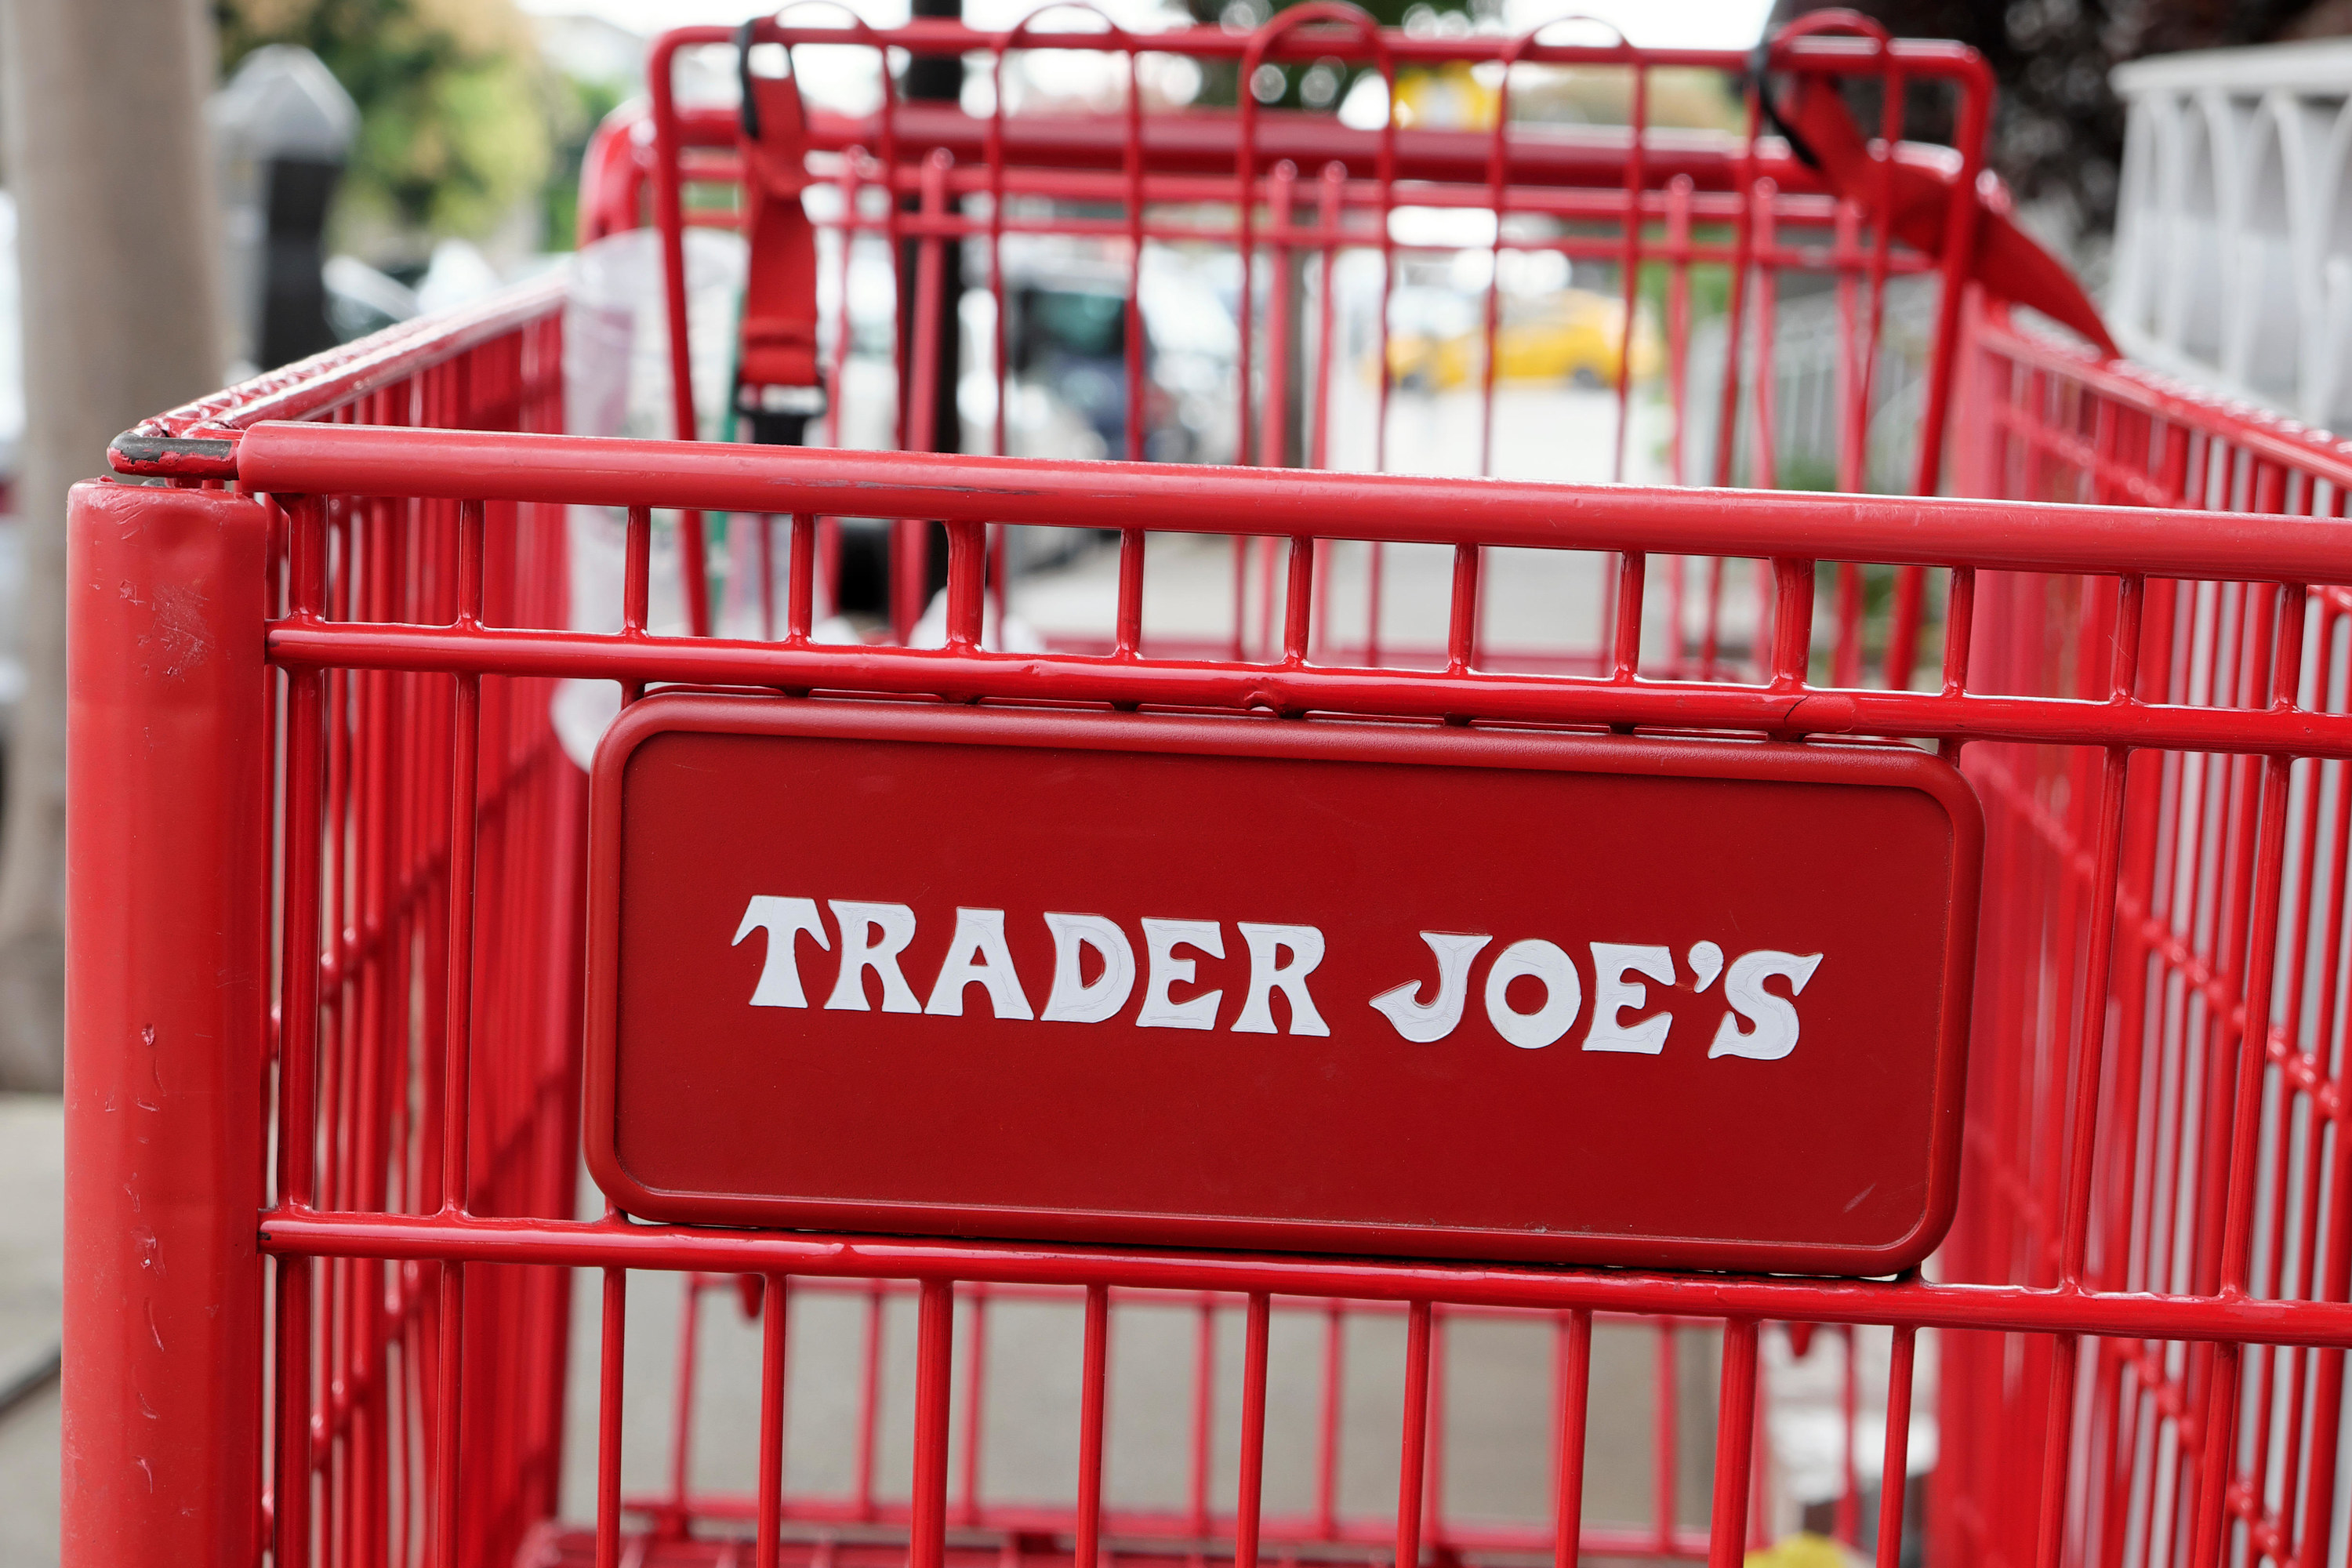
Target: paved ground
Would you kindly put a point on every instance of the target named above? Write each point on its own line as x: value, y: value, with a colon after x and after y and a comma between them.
x: 32, y: 1232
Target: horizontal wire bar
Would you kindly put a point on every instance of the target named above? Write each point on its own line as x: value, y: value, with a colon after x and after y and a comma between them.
x: 1399, y: 693
x: 1817, y: 51
x: 290, y: 459
x: 1995, y: 1307
x: 1177, y: 1525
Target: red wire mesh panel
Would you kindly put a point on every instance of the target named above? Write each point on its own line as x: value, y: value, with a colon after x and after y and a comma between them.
x: 313, y: 681
x: 1342, y: 231
x: 2158, y: 1110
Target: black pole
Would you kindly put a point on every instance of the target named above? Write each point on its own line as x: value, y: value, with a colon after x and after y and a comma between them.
x: 936, y: 78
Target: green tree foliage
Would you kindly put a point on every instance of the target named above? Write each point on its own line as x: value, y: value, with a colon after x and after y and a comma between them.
x: 579, y: 108
x: 456, y: 108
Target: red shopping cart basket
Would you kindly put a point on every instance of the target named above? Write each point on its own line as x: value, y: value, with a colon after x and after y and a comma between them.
x: 1394, y: 1036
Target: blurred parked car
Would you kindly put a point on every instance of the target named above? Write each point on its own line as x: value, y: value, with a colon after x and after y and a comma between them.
x: 1066, y: 339
x: 1573, y: 336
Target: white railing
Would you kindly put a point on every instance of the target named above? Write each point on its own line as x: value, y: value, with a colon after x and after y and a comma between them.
x: 2233, y: 238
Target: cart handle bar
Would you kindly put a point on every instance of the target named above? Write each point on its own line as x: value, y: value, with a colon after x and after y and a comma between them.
x: 197, y: 440
x: 289, y: 458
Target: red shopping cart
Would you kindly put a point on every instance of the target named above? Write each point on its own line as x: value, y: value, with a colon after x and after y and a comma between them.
x: 362, y: 967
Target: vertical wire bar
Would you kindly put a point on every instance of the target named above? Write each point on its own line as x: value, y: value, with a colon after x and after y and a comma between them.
x: 1845, y: 382
x: 1462, y: 621
x: 1903, y: 620
x: 1333, y: 191
x: 297, y: 1055
x: 766, y: 524
x: 1130, y: 635
x: 1245, y: 248
x: 934, y: 1357
x: 2253, y: 1041
x: 1204, y: 1362
x: 1241, y: 597
x: 870, y: 1404
x: 668, y: 197
x: 2091, y: 1015
x: 975, y: 1390
x: 1959, y: 630
x: 1385, y: 167
x: 636, y: 570
x: 1298, y: 595
x: 608, y: 1419
x: 328, y: 1448
x: 1793, y: 622
x: 1711, y: 625
x: 1849, y: 1499
x: 1678, y: 247
x: 2306, y: 1184
x: 1250, y: 1494
x: 367, y: 1361
x: 1665, y: 1454
x: 690, y: 1343
x: 1094, y: 1376
x: 966, y: 556
x: 456, y: 1088
x: 1626, y: 662
x: 1318, y: 635
x: 1326, y: 1446
x: 1414, y: 1454
x: 999, y: 541
x: 800, y: 592
x: 1434, y: 1450
x: 852, y: 162
x: 1764, y: 472
x: 774, y: 1306
x: 910, y: 537
x: 2319, y: 1501
x: 335, y: 1040
x: 1132, y: 167
x: 1497, y: 198
x: 1894, y: 1471
x: 1735, y: 1438
x: 993, y: 156
x: 636, y: 579
x: 1273, y: 438
x: 1265, y: 598
x: 1629, y: 263
x: 1573, y: 1374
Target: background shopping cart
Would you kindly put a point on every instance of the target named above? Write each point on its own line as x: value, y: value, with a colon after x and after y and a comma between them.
x: 358, y: 580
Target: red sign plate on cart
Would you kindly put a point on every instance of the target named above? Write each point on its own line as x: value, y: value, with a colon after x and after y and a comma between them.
x: 1256, y: 983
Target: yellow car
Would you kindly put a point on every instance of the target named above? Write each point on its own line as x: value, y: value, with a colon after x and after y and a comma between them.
x: 1572, y: 336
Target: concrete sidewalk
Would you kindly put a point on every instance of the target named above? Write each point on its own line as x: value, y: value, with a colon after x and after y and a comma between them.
x: 32, y: 1282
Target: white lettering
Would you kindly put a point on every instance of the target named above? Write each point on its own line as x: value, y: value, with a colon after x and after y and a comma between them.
x: 859, y: 952
x: 1265, y: 945
x: 1160, y: 940
x: 1564, y: 994
x: 1072, y: 1001
x: 977, y: 955
x: 1613, y: 993
x: 1424, y: 1024
x: 1760, y: 1025
x: 1775, y: 1033
x: 784, y: 919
